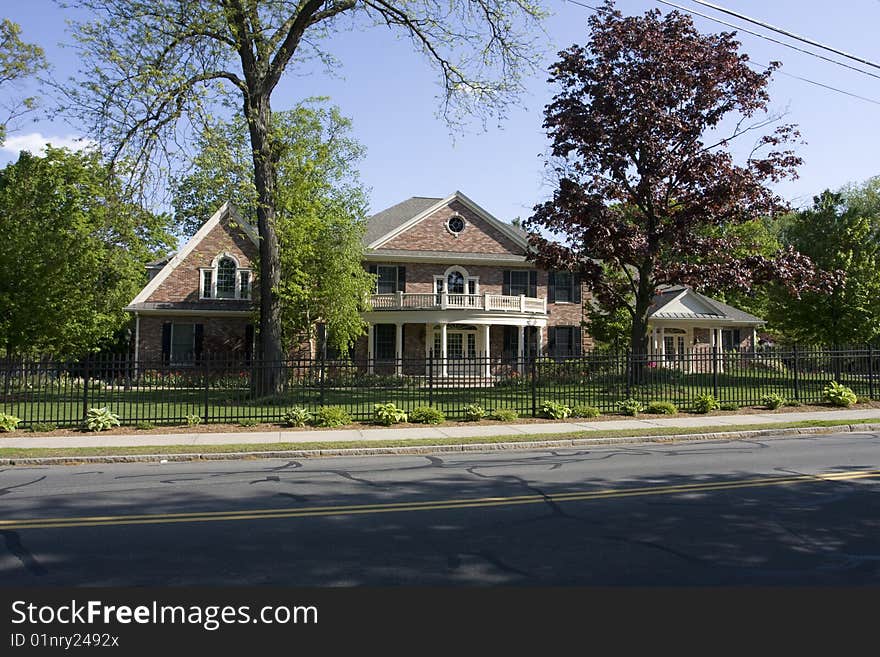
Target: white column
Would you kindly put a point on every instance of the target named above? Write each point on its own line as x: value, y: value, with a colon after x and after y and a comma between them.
x: 663, y: 343
x: 137, y: 341
x: 445, y: 368
x: 719, y: 342
x: 370, y: 348
x: 520, y: 344
x: 398, y: 352
x: 754, y: 341
x: 487, y: 350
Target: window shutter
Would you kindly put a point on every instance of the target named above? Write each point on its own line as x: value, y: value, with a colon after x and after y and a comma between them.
x: 533, y: 284
x: 577, y: 347
x: 401, y: 279
x: 576, y: 288
x: 166, y: 342
x: 551, y: 340
x: 199, y: 340
x: 551, y: 287
x: 505, y: 287
x: 374, y: 270
x: 322, y: 340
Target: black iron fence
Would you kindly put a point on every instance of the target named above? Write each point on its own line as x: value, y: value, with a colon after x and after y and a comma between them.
x: 221, y: 389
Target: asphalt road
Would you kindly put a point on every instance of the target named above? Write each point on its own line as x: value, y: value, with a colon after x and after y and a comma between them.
x: 794, y: 511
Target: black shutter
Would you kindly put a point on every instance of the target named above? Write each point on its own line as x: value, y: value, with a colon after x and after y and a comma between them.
x: 166, y: 342
x: 199, y: 341
x: 248, y: 342
x: 551, y: 287
x: 551, y: 340
x: 401, y: 279
x: 374, y: 270
x: 576, y: 288
x: 577, y: 347
x: 322, y: 340
x: 533, y: 284
x: 505, y: 287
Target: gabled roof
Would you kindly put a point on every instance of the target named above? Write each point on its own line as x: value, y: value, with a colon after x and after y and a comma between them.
x: 226, y: 211
x: 391, y: 222
x: 701, y: 307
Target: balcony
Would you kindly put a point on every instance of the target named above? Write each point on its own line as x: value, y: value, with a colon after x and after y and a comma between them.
x: 444, y: 301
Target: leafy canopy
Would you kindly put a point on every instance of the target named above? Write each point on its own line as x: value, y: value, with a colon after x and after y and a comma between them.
x: 18, y: 60
x: 72, y: 254
x: 841, y: 231
x: 320, y: 215
x: 643, y: 177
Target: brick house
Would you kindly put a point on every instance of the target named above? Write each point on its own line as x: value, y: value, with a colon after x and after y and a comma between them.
x: 451, y: 280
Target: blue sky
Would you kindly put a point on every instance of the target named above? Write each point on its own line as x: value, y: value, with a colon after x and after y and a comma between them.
x: 390, y: 93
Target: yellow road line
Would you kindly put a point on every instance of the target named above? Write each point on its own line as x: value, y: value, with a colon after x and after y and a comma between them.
x: 432, y: 505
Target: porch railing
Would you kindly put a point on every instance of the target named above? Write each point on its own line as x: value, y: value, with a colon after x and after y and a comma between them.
x: 444, y: 301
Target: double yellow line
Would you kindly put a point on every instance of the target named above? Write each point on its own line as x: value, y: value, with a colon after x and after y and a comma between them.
x: 432, y: 505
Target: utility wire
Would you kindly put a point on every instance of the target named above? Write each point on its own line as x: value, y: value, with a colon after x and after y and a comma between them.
x: 792, y: 35
x: 782, y: 43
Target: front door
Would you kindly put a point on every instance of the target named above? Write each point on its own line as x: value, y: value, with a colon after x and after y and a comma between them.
x: 461, y: 349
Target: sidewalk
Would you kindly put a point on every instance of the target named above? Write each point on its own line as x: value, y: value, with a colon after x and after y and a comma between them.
x: 476, y: 431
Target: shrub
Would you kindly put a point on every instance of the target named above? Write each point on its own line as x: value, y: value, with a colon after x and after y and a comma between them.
x: 474, y: 412
x: 792, y: 402
x: 585, y: 411
x: 838, y: 394
x: 504, y: 415
x: 41, y: 427
x: 772, y: 401
x: 331, y: 416
x: 192, y: 420
x: 706, y: 403
x: 248, y: 422
x: 427, y: 415
x: 296, y: 417
x: 388, y: 414
x: 661, y: 408
x: 145, y: 426
x: 630, y: 407
x: 8, y: 422
x: 728, y: 406
x: 555, y: 410
x: 100, y: 419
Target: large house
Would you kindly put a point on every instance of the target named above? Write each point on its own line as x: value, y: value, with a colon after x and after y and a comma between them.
x: 452, y: 281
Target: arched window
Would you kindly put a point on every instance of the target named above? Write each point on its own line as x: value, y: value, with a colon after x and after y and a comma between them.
x: 226, y: 278
x: 455, y: 282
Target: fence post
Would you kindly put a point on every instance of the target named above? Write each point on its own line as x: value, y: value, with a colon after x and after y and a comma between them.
x: 628, y: 369
x: 534, y: 371
x: 870, y: 371
x: 835, y: 362
x: 85, y: 406
x: 431, y: 377
x: 207, y: 389
x: 715, y: 393
x: 322, y: 380
x: 797, y: 390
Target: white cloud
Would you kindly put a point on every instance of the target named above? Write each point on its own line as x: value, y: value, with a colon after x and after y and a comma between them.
x: 35, y: 142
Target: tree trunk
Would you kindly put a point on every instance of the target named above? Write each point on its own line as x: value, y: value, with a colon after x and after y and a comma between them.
x: 258, y: 113
x: 639, y: 333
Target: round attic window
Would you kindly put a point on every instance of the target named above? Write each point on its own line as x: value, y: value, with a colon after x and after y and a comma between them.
x: 455, y: 224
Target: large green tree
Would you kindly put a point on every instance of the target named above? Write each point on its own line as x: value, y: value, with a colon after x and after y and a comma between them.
x: 320, y: 213
x: 18, y: 61
x: 147, y: 64
x: 72, y: 254
x: 841, y: 231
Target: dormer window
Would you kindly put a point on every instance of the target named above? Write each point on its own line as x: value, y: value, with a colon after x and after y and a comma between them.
x: 226, y: 279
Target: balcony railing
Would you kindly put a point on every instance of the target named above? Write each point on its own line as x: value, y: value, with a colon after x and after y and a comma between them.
x: 443, y: 301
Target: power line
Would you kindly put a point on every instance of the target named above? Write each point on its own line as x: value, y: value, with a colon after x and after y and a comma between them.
x: 767, y: 38
x: 782, y: 43
x: 792, y: 35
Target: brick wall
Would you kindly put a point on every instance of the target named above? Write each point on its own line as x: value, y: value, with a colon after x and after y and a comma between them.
x: 430, y: 234
x: 183, y: 283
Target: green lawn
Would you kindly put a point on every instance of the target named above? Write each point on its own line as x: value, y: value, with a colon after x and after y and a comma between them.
x: 222, y: 401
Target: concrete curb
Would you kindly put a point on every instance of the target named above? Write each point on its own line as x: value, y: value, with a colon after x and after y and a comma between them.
x: 432, y: 449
